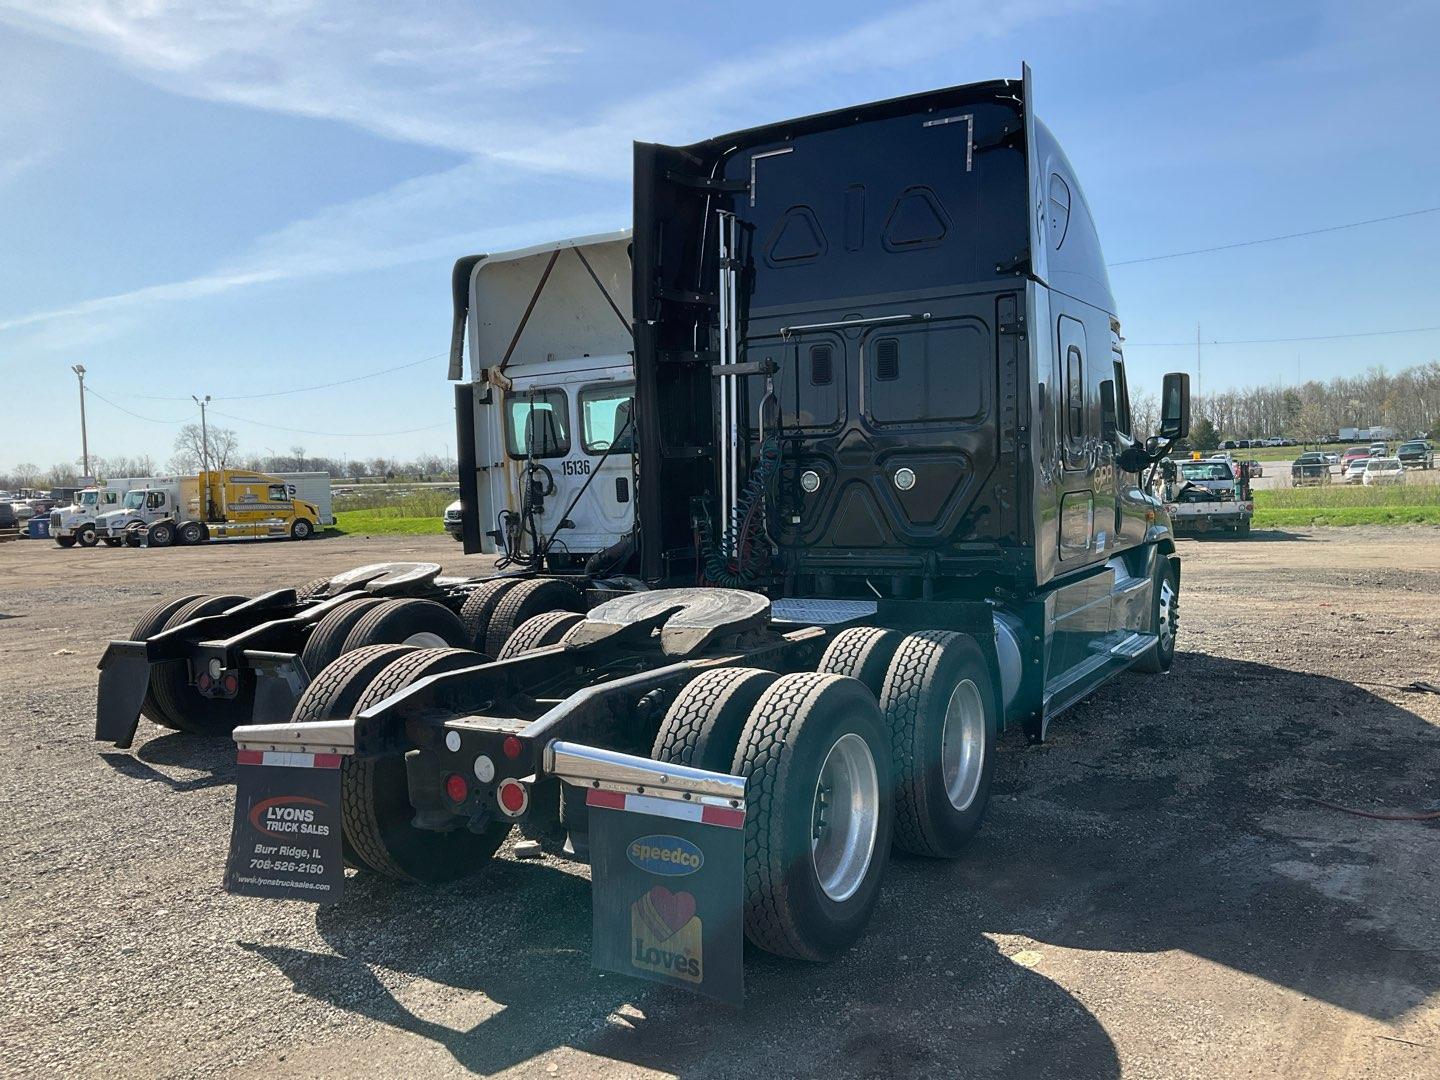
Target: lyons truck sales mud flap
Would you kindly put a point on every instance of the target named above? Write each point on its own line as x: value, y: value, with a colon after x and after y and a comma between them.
x: 667, y: 848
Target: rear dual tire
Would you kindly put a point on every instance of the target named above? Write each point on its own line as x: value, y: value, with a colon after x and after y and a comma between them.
x: 375, y: 795
x: 178, y: 700
x: 814, y: 752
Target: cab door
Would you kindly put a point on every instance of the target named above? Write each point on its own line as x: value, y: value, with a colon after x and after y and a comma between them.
x: 606, y: 422
x: 1078, y: 459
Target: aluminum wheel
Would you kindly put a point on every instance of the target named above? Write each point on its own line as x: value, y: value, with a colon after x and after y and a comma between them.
x: 845, y: 817
x: 426, y: 640
x: 1169, y: 615
x: 962, y: 744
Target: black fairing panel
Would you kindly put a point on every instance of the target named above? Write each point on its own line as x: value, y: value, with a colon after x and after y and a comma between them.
x: 906, y: 221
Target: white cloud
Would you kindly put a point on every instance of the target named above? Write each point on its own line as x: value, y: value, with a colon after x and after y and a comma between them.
x: 439, y: 73
x: 406, y: 73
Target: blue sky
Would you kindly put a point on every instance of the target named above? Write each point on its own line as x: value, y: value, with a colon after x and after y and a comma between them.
x: 241, y: 197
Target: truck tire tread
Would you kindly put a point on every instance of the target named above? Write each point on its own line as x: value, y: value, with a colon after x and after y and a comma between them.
x: 150, y: 624
x: 862, y: 652
x: 332, y: 696
x: 918, y: 682
x: 800, y: 711
x: 365, y: 784
x: 396, y: 620
x: 529, y: 598
x: 479, y: 606
x: 192, y: 711
x: 327, y: 639
x: 539, y: 631
x: 702, y: 727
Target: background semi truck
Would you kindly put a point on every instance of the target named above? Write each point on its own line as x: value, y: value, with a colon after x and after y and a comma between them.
x: 78, y: 521
x: 888, y: 502
x: 221, y: 504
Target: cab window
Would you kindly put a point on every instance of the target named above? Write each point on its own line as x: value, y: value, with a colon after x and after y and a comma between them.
x: 607, y: 419
x: 278, y: 493
x: 536, y: 424
x: 156, y: 500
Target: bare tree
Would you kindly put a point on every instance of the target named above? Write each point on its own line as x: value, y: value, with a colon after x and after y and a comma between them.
x: 189, y: 449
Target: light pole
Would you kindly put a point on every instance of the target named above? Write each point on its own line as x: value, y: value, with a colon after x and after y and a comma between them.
x: 205, y: 452
x: 79, y: 370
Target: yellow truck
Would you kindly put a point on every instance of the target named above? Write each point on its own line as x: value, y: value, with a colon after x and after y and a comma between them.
x: 220, y: 504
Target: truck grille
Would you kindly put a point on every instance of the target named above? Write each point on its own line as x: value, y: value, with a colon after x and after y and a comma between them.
x: 55, y: 520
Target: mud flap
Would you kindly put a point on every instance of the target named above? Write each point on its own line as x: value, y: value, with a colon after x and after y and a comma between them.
x: 124, y: 678
x: 285, y: 841
x: 668, y: 891
x: 280, y: 679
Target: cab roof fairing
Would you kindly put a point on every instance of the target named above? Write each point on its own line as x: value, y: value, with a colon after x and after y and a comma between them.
x: 571, y: 315
x: 1073, y: 262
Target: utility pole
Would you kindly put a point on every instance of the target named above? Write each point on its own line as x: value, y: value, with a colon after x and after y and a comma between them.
x: 1199, y: 368
x: 205, y: 453
x: 79, y: 370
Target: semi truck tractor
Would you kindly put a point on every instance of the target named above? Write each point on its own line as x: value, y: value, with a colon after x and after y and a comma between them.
x: 888, y: 502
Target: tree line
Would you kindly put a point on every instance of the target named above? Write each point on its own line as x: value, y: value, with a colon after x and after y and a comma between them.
x: 224, y: 452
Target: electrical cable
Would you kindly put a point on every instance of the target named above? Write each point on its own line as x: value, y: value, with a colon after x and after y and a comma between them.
x: 92, y: 392
x: 331, y: 434
x: 1275, y: 239
x: 301, y: 389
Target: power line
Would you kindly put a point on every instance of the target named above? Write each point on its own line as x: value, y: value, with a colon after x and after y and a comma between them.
x: 1275, y: 239
x: 1277, y: 340
x: 331, y: 434
x: 90, y: 389
x: 305, y: 389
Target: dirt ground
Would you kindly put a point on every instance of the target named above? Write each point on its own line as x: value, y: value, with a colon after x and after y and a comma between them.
x: 1155, y: 892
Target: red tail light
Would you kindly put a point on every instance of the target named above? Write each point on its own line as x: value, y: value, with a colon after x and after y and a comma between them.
x: 512, y: 746
x: 513, y: 797
x: 231, y: 682
x: 456, y: 790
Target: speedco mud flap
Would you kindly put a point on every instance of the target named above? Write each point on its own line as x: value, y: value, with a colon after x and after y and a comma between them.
x: 667, y: 868
x: 285, y: 841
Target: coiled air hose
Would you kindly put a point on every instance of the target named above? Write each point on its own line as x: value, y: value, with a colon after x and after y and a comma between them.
x: 731, y: 563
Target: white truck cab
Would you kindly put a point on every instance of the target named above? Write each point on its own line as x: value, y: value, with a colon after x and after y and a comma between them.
x: 554, y: 385
x: 141, y: 506
x: 79, y: 522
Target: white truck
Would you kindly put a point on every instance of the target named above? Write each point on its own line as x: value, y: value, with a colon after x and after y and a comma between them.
x: 78, y: 523
x: 554, y: 442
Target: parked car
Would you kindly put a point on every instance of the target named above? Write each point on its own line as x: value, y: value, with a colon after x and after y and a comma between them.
x: 1212, y: 475
x: 1332, y: 458
x: 1383, y: 470
x: 1352, y: 455
x: 1256, y: 468
x: 1311, y: 468
x: 1229, y: 444
x: 1356, y: 473
x: 1379, y: 449
x: 1416, y: 454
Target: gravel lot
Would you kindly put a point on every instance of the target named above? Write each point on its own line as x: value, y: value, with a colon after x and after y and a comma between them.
x: 1155, y: 892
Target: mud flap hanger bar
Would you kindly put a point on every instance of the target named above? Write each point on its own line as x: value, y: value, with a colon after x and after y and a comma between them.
x: 607, y: 770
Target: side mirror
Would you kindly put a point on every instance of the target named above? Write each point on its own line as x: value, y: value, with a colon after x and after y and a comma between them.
x: 1175, y: 406
x: 1109, y: 423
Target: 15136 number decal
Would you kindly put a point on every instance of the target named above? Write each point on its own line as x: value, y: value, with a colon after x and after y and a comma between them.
x: 575, y: 467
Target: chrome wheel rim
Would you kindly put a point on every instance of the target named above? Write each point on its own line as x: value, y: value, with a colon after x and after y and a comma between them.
x: 1167, y: 615
x: 962, y: 744
x: 426, y: 640
x: 845, y: 817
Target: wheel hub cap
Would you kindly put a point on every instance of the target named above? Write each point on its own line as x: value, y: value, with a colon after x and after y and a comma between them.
x: 845, y: 817
x: 426, y: 640
x: 962, y: 744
